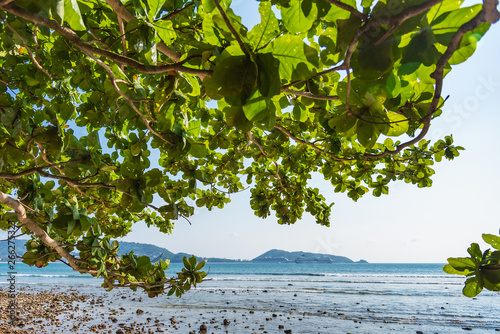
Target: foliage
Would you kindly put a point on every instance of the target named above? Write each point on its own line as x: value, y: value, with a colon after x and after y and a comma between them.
x: 110, y: 107
x: 481, y: 268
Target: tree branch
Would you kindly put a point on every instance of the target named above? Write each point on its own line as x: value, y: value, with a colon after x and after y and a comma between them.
x: 15, y: 176
x: 86, y: 48
x: 174, y: 13
x: 40, y: 233
x: 129, y: 100
x: 316, y: 148
x: 231, y: 28
x: 310, y: 95
x: 32, y: 56
x: 489, y: 13
x: 122, y: 12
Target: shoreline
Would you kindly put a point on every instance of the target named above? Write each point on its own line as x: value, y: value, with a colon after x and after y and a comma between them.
x: 67, y: 310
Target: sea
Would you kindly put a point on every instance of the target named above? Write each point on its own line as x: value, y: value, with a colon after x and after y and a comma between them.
x: 361, y: 297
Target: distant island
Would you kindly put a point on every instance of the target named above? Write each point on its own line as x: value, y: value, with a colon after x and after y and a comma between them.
x: 155, y: 253
x: 281, y: 256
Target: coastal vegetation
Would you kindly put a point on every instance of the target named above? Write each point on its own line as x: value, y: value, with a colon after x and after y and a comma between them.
x: 109, y: 108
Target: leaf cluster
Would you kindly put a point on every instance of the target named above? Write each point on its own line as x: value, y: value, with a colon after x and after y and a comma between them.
x: 481, y: 268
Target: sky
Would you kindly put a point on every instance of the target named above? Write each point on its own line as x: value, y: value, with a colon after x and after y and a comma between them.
x: 411, y: 224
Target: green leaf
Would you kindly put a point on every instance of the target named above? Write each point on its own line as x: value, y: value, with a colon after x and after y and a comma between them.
x: 154, y: 8
x: 472, y: 287
x: 367, y: 134
x: 421, y: 49
x: 73, y: 16
x: 398, y: 124
x: 208, y: 6
x: 258, y: 107
x: 71, y: 226
x: 60, y: 10
x: 186, y: 263
x: 76, y: 213
x: 235, y: 116
x: 468, y: 44
x: 299, y: 16
x: 198, y: 150
x: 235, y: 75
x: 451, y: 21
x: 493, y: 240
x: 300, y: 112
x: 462, y: 264
x: 268, y: 79
x: 452, y: 271
x: 475, y: 252
x: 165, y: 31
x: 298, y: 61
x: 136, y: 149
x: 342, y: 124
x: 263, y: 32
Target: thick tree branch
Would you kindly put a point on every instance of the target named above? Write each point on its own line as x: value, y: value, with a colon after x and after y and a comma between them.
x: 40, y: 233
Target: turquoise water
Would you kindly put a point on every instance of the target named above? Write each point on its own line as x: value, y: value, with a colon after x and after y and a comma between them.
x: 413, y: 294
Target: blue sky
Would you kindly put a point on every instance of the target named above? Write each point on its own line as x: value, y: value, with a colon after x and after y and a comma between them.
x: 409, y: 224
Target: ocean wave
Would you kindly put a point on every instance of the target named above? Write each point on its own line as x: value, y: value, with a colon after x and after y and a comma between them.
x: 444, y: 276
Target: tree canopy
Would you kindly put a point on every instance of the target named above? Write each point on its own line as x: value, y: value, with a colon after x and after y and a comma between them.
x: 109, y: 107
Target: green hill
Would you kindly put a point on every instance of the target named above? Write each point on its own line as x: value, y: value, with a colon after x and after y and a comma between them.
x: 139, y: 249
x: 156, y: 252
x: 276, y: 255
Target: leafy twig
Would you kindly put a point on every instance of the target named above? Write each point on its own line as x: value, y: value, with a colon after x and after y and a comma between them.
x: 231, y: 28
